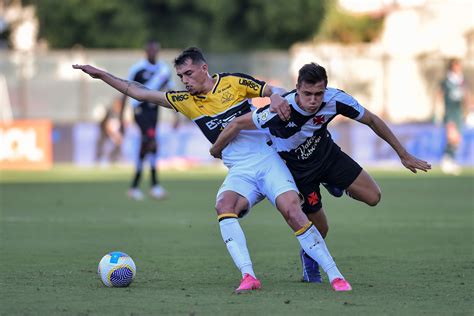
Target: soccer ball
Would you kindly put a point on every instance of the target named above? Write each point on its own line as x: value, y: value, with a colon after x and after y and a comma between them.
x: 117, y: 269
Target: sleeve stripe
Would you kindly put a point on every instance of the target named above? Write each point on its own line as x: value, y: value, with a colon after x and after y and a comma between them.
x: 290, y: 92
x: 217, y: 83
x: 262, y: 89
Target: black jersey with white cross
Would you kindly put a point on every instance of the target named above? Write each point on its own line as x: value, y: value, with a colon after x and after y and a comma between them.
x: 155, y: 76
x: 304, y: 141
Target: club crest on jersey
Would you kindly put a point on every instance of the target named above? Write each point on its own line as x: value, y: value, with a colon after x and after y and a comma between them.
x: 226, y: 97
x: 262, y: 116
x: 318, y: 119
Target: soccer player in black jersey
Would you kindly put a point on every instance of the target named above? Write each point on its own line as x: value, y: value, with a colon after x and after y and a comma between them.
x: 306, y: 146
x: 156, y: 75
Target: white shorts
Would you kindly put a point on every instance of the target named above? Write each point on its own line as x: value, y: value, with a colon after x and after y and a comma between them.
x: 268, y: 177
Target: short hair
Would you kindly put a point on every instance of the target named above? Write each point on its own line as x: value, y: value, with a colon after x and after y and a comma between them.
x: 312, y: 73
x: 193, y: 53
x: 151, y: 41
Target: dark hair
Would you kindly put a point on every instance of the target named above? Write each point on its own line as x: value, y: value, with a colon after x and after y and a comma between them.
x: 152, y: 41
x: 193, y: 53
x: 312, y: 73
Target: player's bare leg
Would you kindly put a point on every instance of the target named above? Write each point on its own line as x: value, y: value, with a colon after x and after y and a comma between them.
x: 365, y: 189
x: 320, y: 220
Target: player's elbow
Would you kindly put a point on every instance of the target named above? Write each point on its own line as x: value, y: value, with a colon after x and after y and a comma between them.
x: 142, y: 95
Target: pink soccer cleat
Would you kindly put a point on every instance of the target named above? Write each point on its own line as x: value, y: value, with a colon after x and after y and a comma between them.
x: 248, y: 283
x: 341, y: 285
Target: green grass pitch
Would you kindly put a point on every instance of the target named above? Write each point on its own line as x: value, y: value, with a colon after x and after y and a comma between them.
x: 410, y: 255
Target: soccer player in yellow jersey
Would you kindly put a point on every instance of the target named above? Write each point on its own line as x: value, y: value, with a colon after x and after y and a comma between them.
x: 255, y: 169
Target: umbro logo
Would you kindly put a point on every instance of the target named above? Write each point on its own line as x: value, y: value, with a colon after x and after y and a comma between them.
x: 290, y: 125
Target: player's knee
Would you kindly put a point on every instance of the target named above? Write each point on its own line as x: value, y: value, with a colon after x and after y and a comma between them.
x: 292, y: 211
x: 375, y: 198
x: 223, y: 206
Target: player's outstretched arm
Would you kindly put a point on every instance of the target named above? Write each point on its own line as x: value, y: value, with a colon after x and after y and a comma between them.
x: 123, y: 103
x: 130, y: 88
x: 383, y: 131
x: 230, y: 132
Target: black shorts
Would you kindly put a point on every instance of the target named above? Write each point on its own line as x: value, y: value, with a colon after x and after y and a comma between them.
x: 341, y: 172
x: 148, y: 144
x: 146, y: 117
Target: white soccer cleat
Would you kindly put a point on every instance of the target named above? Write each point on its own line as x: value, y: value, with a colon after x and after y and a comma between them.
x: 158, y: 192
x: 135, y: 194
x: 449, y: 166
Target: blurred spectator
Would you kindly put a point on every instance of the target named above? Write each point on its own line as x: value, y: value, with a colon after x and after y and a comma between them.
x: 155, y: 75
x: 453, y: 89
x: 108, y: 148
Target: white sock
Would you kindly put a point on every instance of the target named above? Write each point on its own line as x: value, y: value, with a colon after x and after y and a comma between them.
x: 234, y: 238
x: 313, y: 244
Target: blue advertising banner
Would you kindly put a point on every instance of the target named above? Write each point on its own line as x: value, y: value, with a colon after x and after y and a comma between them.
x: 186, y: 146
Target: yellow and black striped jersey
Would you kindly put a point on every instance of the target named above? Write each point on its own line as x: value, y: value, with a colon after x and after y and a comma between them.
x: 228, y: 99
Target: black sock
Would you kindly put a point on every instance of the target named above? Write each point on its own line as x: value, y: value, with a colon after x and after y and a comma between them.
x: 136, y: 179
x: 154, y: 178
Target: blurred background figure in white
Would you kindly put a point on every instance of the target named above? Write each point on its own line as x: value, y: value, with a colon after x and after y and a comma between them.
x: 453, y: 89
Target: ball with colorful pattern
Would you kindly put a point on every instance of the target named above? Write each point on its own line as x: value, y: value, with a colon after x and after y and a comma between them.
x: 117, y: 269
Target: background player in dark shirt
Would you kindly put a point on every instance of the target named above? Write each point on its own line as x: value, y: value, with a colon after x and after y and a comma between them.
x: 305, y: 144
x: 155, y: 75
